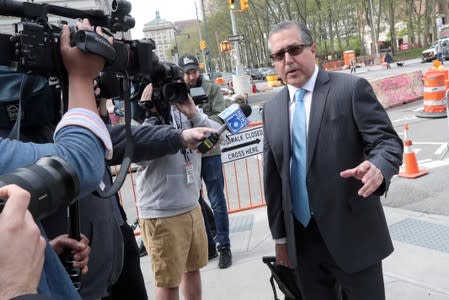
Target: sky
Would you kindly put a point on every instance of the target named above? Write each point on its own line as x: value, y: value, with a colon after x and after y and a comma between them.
x: 171, y: 10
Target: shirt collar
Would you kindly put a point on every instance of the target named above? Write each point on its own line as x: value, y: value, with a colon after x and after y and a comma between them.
x: 308, y: 86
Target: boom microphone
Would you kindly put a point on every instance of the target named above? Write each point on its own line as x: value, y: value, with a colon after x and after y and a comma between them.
x: 234, y: 118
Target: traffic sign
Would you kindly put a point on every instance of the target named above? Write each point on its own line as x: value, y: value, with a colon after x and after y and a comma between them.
x: 403, y: 46
x: 241, y: 145
x: 225, y: 46
x: 236, y: 38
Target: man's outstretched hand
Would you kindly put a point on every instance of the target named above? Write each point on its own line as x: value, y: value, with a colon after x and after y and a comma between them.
x: 370, y: 176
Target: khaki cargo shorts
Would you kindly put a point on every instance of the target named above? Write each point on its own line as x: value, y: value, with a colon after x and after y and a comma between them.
x: 176, y: 245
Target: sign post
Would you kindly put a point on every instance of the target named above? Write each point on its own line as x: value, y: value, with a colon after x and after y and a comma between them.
x: 236, y: 38
x: 447, y: 111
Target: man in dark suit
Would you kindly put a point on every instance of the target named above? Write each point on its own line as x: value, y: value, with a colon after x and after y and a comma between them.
x: 329, y: 152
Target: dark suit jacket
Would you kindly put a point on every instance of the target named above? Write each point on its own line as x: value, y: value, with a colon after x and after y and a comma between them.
x: 347, y: 126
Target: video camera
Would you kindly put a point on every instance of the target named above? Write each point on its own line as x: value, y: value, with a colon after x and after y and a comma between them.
x: 168, y: 88
x: 165, y: 77
x: 34, y: 47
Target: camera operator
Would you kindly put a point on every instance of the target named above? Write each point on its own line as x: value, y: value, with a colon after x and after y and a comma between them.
x: 211, y: 165
x: 80, y: 139
x: 167, y: 194
x: 150, y: 142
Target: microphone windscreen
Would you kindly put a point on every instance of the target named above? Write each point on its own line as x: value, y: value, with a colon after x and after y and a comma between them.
x: 247, y: 110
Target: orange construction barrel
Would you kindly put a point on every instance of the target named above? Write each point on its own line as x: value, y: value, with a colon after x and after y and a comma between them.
x: 434, y: 96
x: 220, y: 81
x: 347, y: 56
x: 438, y: 68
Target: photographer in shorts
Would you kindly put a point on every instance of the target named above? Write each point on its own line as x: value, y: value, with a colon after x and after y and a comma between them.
x: 167, y: 195
x: 114, y: 244
x: 211, y: 170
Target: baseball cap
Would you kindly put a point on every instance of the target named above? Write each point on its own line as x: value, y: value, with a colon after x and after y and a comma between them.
x: 188, y: 62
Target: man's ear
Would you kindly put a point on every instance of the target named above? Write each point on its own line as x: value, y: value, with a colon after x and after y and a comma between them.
x: 313, y: 48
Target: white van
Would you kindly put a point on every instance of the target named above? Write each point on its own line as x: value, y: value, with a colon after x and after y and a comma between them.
x: 431, y: 54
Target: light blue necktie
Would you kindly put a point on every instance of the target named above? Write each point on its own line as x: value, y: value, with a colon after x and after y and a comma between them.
x: 300, y: 197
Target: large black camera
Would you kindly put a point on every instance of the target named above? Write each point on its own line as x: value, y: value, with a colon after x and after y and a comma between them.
x: 166, y: 78
x: 34, y: 48
x: 52, y: 184
x: 51, y: 181
x: 168, y: 88
x: 35, y: 45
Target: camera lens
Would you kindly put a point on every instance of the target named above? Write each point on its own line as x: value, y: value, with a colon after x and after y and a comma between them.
x: 174, y: 92
x: 51, y: 181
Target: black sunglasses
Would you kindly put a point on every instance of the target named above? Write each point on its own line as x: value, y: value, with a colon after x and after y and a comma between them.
x: 291, y: 50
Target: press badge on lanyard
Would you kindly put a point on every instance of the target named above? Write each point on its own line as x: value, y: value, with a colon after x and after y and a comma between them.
x: 188, y: 165
x: 189, y: 168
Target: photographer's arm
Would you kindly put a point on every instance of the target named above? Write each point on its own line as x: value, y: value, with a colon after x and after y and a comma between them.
x: 199, y: 119
x: 82, y: 69
x: 154, y: 141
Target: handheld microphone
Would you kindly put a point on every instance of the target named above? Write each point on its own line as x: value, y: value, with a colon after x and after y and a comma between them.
x: 234, y: 118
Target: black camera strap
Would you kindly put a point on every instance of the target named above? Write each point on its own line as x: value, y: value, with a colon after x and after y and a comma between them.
x: 129, y: 148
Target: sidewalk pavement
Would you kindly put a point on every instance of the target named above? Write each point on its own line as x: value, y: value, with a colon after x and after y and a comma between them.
x: 418, y: 269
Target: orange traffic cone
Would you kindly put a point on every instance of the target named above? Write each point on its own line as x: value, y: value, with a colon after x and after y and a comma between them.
x: 411, y: 165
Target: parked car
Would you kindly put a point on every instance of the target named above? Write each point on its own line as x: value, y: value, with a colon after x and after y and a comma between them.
x: 270, y: 71
x: 264, y: 69
x: 255, y: 74
x: 430, y: 53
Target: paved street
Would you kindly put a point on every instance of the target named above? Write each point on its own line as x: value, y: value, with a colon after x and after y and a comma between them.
x: 418, y: 269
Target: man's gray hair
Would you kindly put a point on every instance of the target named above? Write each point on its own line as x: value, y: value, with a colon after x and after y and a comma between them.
x: 304, y: 32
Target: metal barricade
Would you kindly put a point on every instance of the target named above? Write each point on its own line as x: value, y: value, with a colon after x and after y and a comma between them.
x: 243, y: 178
x: 244, y: 184
x: 242, y: 168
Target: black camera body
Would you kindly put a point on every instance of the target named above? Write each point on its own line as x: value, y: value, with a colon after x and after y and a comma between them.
x: 168, y: 88
x: 198, y: 95
x: 34, y: 48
